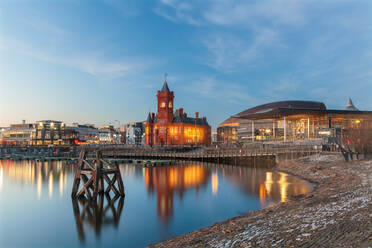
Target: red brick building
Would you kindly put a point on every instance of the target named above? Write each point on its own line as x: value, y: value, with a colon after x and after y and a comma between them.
x: 175, y: 128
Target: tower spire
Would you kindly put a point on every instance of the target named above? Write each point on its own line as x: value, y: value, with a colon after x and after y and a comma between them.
x: 165, y: 85
x: 149, y: 119
x: 350, y: 105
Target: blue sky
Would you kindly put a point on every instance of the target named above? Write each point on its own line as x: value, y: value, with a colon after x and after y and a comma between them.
x: 100, y: 61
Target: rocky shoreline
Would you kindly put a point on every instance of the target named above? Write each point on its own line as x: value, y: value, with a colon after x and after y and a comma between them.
x: 337, y: 213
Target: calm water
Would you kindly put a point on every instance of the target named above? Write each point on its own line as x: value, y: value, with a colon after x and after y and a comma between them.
x: 36, y: 209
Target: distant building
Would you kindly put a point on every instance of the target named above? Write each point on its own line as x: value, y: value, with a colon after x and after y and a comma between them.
x: 45, y: 132
x: 2, y: 130
x: 135, y: 133
x: 18, y: 134
x: 290, y: 120
x: 214, y: 136
x: 86, y: 133
x: 122, y: 132
x: 175, y: 128
x: 108, y: 135
x: 71, y: 136
x: 49, y: 132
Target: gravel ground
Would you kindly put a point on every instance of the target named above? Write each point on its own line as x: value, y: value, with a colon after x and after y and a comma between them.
x: 338, y: 213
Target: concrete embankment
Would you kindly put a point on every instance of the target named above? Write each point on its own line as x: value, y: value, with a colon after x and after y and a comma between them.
x: 338, y: 213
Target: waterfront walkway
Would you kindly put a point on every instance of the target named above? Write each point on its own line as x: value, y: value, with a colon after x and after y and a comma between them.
x: 336, y: 214
x: 257, y: 156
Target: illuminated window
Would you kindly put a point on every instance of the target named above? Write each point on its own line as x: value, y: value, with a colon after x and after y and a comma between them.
x: 170, y: 104
x: 162, y: 105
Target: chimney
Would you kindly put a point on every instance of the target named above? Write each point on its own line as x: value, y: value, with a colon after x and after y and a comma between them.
x: 180, y: 111
x: 196, y: 115
x: 152, y: 116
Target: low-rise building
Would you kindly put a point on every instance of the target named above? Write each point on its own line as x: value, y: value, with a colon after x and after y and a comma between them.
x: 18, y: 134
x: 83, y: 134
x: 291, y: 120
x: 108, y: 135
x: 48, y: 132
x: 135, y: 133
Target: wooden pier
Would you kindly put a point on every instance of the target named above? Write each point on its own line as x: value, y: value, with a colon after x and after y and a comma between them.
x: 93, y: 174
x: 243, y: 157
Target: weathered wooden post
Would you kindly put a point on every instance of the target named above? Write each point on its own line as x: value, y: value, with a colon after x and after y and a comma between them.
x: 93, y: 174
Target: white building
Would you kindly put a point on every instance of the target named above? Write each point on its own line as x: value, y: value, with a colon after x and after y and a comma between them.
x: 86, y: 133
x: 108, y: 135
x: 135, y: 133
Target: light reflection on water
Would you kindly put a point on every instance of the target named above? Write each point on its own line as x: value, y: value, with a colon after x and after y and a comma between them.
x: 160, y: 202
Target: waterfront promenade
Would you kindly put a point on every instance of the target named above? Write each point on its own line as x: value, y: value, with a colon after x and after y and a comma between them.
x: 336, y: 214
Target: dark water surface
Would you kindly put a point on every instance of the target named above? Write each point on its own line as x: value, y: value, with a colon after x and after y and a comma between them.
x: 36, y: 208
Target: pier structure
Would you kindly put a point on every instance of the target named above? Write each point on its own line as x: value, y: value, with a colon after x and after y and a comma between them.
x: 257, y: 157
x: 114, y: 154
x: 92, y: 174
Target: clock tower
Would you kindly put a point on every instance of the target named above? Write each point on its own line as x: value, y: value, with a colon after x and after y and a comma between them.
x: 169, y: 127
x: 165, y: 105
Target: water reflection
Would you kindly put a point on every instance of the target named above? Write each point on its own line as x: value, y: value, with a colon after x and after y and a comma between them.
x: 271, y: 187
x: 205, y: 193
x: 166, y: 181
x: 1, y: 178
x: 36, y: 173
x: 96, y: 213
x: 215, y: 183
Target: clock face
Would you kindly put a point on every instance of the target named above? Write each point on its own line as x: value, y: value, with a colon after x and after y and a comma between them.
x: 170, y: 104
x: 162, y: 105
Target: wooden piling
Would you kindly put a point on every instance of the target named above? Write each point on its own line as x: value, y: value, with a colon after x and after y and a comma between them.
x: 92, y: 174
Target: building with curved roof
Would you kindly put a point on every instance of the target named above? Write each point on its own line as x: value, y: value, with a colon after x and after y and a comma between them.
x: 292, y: 120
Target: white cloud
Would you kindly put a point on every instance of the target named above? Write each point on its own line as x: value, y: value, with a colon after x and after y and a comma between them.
x: 229, y: 91
x: 255, y: 13
x: 230, y: 53
x: 231, y: 12
x: 176, y: 11
x: 101, y: 68
x: 317, y: 39
x: 255, y: 22
x: 89, y: 62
